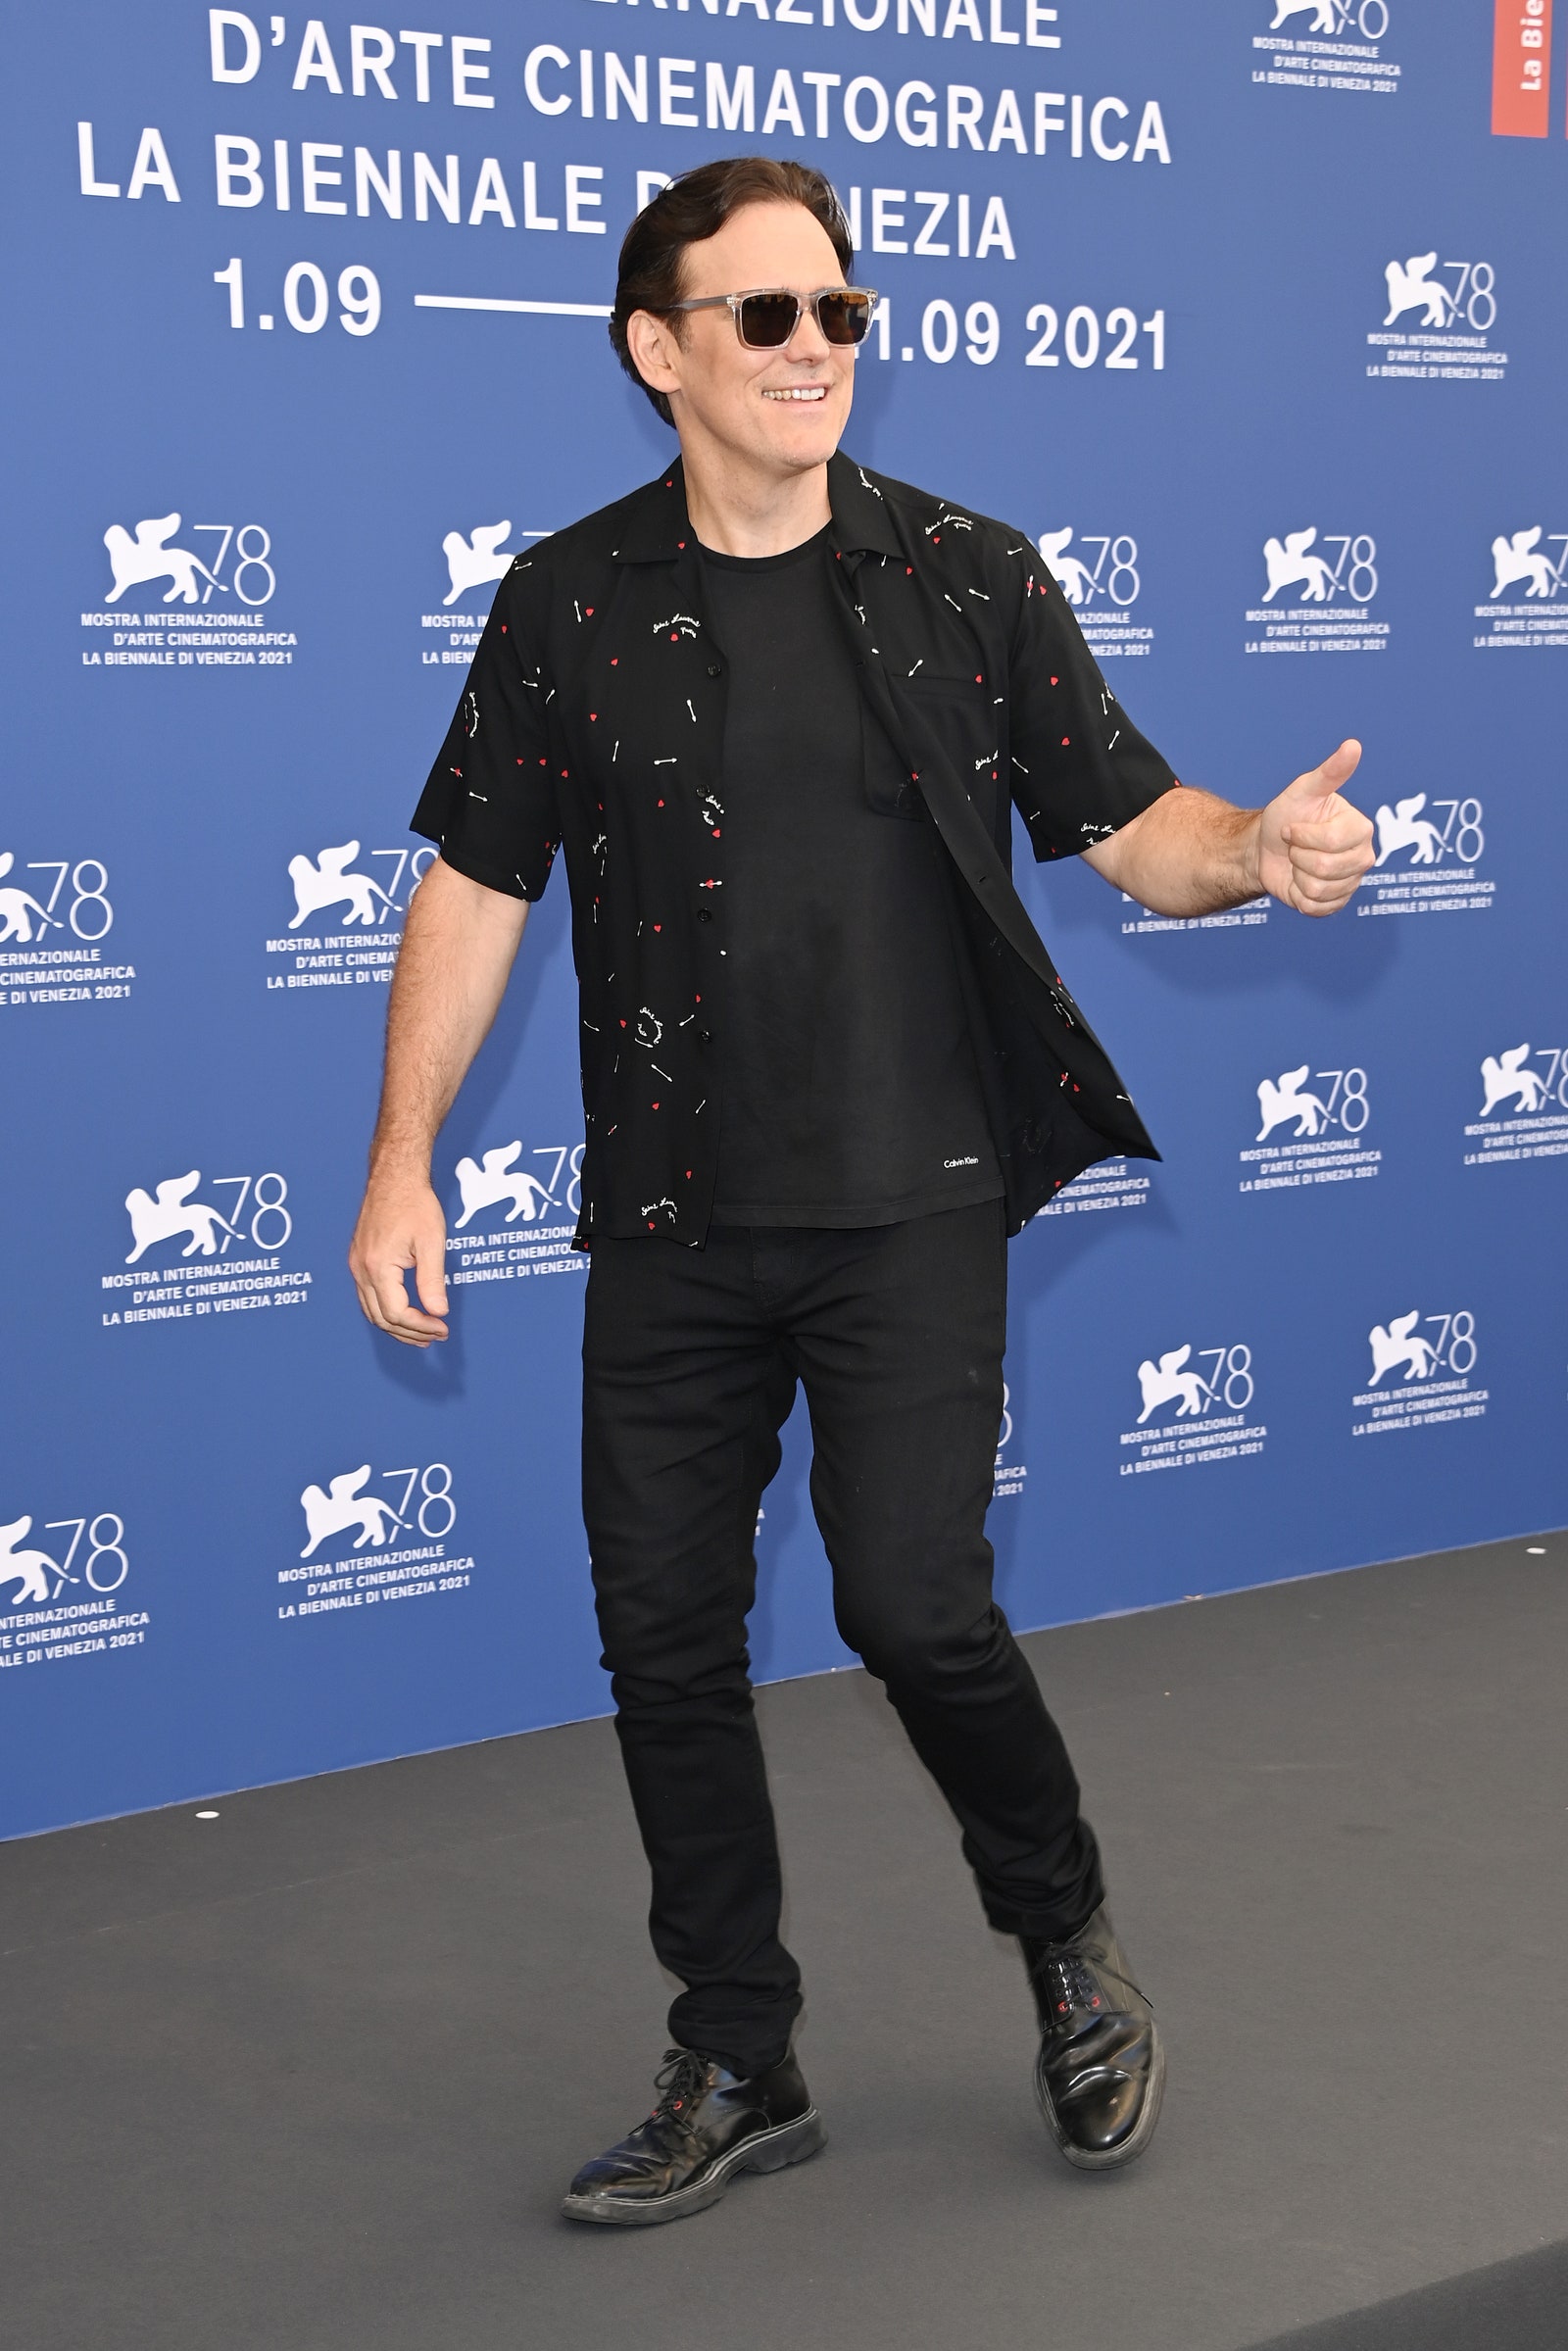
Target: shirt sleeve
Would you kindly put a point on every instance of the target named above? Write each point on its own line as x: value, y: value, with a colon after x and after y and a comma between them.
x: 490, y: 798
x: 1080, y: 768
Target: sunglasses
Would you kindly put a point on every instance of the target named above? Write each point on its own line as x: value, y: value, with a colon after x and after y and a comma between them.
x: 765, y: 320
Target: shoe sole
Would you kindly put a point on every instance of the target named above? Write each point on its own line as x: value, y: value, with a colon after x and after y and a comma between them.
x: 769, y: 2151
x: 1109, y: 2159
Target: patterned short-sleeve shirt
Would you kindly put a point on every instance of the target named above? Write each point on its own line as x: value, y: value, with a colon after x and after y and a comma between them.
x: 593, y: 721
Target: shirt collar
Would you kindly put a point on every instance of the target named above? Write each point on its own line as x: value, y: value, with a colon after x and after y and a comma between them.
x: 861, y: 523
x: 658, y: 527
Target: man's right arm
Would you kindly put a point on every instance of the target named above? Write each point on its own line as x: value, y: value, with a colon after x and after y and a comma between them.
x: 458, y: 943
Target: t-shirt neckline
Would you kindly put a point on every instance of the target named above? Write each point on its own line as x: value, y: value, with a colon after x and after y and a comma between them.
x: 767, y: 563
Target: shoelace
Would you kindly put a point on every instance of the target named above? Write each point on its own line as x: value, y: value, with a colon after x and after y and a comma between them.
x: 680, y: 2083
x: 1069, y: 1984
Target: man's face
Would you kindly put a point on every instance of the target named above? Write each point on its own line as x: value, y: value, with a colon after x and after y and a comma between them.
x: 786, y: 409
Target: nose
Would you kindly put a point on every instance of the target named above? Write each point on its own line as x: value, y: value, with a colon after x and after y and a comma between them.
x: 808, y: 343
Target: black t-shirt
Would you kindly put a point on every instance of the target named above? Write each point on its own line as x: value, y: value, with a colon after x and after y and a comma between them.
x: 850, y: 1090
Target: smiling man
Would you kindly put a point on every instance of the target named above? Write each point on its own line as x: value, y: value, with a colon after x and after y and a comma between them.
x: 778, y: 710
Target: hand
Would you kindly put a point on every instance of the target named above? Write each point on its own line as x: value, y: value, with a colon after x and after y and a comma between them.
x: 401, y: 1227
x: 1313, y: 846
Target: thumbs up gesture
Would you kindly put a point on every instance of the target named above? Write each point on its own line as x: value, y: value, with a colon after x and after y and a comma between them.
x: 1313, y: 846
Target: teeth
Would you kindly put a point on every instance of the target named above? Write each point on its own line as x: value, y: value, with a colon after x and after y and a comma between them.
x: 798, y: 392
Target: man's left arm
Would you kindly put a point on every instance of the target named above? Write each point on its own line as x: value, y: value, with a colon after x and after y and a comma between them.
x: 1191, y: 854
x: 1087, y: 784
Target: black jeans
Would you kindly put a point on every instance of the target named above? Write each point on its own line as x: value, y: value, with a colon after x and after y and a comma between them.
x: 691, y: 1359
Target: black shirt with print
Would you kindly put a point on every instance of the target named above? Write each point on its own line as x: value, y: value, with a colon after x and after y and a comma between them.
x: 849, y: 1093
x: 595, y: 718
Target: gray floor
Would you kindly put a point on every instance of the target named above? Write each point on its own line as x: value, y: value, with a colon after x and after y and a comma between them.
x: 1518, y: 2305
x: 313, y: 2075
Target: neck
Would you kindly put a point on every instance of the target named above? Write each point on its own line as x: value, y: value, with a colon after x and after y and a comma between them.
x: 736, y: 509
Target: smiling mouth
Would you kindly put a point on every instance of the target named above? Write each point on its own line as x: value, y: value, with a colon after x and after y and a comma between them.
x: 798, y: 392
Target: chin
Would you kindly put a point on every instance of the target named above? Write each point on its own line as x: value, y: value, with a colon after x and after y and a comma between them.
x: 804, y: 454
x: 808, y: 438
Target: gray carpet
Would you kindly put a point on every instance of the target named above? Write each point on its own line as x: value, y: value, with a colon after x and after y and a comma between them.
x: 1518, y: 2305
x: 311, y: 2076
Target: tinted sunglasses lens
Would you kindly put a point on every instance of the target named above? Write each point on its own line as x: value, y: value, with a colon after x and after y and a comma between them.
x: 843, y: 318
x: 768, y: 320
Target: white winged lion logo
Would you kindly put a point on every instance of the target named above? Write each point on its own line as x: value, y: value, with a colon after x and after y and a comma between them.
x: 1167, y: 1383
x: 344, y: 1505
x: 1504, y: 1078
x: 1072, y: 576
x: 1404, y: 827
x: 474, y: 562
x: 486, y: 1182
x: 1412, y: 287
x: 135, y: 561
x: 1287, y: 1099
x: 1518, y: 558
x: 1289, y: 565
x: 29, y: 1571
x: 171, y: 1212
x: 1398, y: 1344
x: 329, y: 883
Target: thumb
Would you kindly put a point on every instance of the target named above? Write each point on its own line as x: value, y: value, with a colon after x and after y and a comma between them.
x: 430, y: 1276
x: 1304, y: 796
x: 1337, y: 770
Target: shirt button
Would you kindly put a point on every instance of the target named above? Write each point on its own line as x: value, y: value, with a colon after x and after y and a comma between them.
x: 703, y: 915
x: 713, y: 670
x: 706, y: 1036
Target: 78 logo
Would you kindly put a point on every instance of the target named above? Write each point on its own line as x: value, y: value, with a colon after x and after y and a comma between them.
x: 1169, y: 1381
x: 43, y: 1575
x: 1291, y: 1096
x: 495, y: 1181
x: 1368, y: 18
x: 252, y: 580
x: 1404, y: 826
x: 85, y: 907
x: 1113, y: 573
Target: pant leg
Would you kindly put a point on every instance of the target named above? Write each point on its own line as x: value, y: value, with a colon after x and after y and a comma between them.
x: 685, y: 1388
x: 901, y: 1356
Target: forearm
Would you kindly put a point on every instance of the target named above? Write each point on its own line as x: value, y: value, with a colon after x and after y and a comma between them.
x: 458, y: 949
x: 1188, y: 853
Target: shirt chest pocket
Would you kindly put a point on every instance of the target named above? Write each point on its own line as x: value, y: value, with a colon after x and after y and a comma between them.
x: 956, y: 715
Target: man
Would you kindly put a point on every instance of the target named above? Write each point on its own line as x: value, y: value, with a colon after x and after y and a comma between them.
x: 778, y: 710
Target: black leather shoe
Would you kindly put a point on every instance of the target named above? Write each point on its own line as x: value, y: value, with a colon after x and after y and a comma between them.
x: 708, y: 2126
x: 1101, y: 2072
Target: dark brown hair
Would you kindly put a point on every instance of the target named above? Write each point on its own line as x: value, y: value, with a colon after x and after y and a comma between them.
x: 693, y: 208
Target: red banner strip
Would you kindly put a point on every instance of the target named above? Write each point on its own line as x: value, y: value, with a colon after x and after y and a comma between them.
x: 1521, y: 69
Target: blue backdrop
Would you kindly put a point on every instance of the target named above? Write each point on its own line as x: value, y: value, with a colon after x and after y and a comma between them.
x: 1257, y: 326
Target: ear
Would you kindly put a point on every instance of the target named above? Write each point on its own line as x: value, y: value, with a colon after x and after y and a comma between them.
x: 655, y: 351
